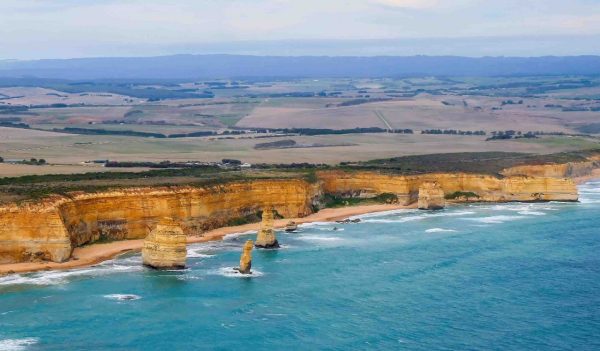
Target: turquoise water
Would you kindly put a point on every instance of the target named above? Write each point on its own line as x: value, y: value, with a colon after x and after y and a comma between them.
x: 471, y: 277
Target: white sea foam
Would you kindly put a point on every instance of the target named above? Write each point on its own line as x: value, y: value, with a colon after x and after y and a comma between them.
x: 237, y: 235
x: 384, y: 213
x: 423, y: 215
x: 17, y: 344
x: 495, y: 219
x: 315, y: 224
x: 130, y: 264
x: 197, y: 252
x: 532, y: 213
x: 231, y: 272
x: 439, y: 230
x: 123, y: 297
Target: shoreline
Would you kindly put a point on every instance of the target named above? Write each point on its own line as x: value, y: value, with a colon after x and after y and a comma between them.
x: 96, y: 253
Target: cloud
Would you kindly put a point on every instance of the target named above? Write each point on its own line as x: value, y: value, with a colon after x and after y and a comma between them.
x: 409, y: 4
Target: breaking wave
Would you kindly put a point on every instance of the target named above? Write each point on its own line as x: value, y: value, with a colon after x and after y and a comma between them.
x: 439, y: 230
x: 17, y: 344
x: 231, y: 272
x: 123, y: 297
x: 129, y: 264
x: 494, y: 219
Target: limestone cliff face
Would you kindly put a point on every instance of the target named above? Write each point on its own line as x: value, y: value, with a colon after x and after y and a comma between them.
x: 431, y: 196
x: 564, y: 170
x: 33, y: 232
x: 486, y: 187
x: 50, y: 230
x: 165, y: 246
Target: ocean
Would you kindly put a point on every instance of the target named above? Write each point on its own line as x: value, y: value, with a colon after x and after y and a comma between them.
x: 510, y: 276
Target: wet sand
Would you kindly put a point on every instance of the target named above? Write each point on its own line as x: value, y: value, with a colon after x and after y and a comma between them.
x: 96, y: 253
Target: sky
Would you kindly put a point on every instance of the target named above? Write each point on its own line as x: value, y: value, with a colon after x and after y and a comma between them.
x: 36, y: 29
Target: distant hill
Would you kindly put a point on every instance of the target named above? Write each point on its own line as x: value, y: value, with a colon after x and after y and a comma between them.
x: 269, y: 67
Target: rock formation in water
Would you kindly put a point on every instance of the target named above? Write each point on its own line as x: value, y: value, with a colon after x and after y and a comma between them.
x: 266, y: 234
x: 431, y: 196
x: 165, y: 246
x: 246, y: 258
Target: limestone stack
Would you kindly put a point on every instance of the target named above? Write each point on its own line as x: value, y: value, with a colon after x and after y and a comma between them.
x: 431, y: 196
x: 165, y: 246
x: 266, y: 235
x: 246, y: 258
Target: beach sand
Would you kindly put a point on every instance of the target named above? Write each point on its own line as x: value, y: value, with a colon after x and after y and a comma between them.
x: 96, y: 253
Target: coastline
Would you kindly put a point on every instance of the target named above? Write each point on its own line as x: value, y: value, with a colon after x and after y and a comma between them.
x: 95, y: 253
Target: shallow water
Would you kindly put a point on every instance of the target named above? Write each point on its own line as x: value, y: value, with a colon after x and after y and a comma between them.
x: 489, y: 276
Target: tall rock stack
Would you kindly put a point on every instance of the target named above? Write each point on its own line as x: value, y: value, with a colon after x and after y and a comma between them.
x: 246, y: 258
x: 431, y: 196
x: 165, y: 246
x: 266, y: 235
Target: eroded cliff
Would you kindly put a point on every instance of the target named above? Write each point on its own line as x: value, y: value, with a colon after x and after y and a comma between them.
x: 483, y: 187
x: 51, y: 229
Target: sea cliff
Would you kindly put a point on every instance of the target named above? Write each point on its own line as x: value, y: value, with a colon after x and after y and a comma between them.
x: 51, y: 229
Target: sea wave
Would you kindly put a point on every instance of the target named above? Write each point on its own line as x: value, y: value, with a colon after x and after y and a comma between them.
x: 231, y: 272
x: 123, y: 297
x: 130, y: 264
x: 424, y: 215
x: 17, y: 344
x: 532, y: 213
x: 494, y: 219
x: 384, y: 213
x: 237, y: 235
x: 197, y: 252
x: 439, y: 230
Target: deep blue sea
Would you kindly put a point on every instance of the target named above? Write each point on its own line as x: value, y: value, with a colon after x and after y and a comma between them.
x: 471, y: 277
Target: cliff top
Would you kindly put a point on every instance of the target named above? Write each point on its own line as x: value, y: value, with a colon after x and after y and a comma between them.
x: 25, y: 188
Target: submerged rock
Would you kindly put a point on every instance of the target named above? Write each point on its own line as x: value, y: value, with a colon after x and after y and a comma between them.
x: 266, y: 235
x: 165, y: 246
x: 431, y: 196
x: 246, y: 258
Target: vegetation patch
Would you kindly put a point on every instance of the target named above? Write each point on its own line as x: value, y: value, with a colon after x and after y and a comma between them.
x: 334, y: 201
x: 462, y: 194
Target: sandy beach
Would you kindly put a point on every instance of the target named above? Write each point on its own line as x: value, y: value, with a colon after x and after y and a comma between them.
x: 96, y: 253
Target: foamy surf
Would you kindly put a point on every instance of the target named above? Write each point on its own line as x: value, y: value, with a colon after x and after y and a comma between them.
x: 63, y: 277
x: 231, y: 272
x: 123, y: 297
x: 197, y: 252
x: 439, y: 230
x: 17, y: 344
x: 495, y: 219
x: 233, y: 236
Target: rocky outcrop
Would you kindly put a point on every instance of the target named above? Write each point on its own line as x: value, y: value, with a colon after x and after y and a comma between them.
x: 165, y: 246
x: 246, y: 258
x: 266, y: 238
x: 431, y: 196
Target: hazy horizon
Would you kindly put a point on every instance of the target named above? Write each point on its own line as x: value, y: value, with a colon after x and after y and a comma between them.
x: 60, y: 29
